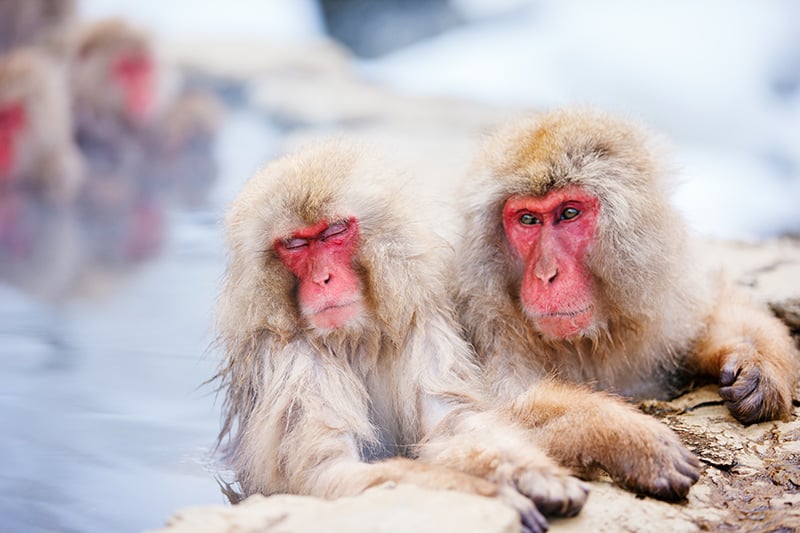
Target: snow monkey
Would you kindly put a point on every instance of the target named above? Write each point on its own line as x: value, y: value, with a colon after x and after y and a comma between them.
x: 344, y: 363
x: 121, y: 59
x: 37, y: 151
x: 575, y: 265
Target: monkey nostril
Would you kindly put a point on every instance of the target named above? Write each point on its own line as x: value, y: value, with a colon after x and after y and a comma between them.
x: 552, y: 278
x: 327, y: 279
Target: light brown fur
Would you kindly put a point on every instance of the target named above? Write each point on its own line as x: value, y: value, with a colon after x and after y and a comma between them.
x: 658, y: 325
x: 47, y: 161
x: 330, y: 413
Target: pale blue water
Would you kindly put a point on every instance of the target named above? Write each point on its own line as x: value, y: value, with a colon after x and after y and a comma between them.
x: 106, y: 425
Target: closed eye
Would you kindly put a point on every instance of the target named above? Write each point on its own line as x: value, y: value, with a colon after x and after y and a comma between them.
x: 334, y: 229
x: 294, y: 243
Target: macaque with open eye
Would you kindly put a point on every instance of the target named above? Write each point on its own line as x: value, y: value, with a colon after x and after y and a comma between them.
x: 575, y: 265
x: 344, y: 366
x: 37, y: 152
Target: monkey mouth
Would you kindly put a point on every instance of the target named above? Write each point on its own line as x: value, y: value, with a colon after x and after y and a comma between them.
x: 335, y: 315
x: 564, y: 324
x: 563, y: 314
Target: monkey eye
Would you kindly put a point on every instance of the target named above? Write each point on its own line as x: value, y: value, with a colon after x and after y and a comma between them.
x: 529, y: 220
x: 569, y: 213
x: 334, y: 230
x: 294, y: 243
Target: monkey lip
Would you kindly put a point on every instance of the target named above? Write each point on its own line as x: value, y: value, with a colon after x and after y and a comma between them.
x: 564, y: 324
x: 334, y: 315
x: 561, y: 314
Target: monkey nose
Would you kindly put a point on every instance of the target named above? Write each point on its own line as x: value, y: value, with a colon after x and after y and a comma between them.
x: 546, y: 274
x: 322, y: 278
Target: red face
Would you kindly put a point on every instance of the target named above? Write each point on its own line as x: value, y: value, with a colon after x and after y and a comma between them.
x: 551, y: 235
x: 12, y: 122
x: 321, y: 257
x: 134, y: 73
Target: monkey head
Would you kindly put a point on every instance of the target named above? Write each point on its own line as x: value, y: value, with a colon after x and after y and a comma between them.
x: 575, y: 203
x: 320, y: 246
x: 34, y: 114
x: 321, y: 258
x: 121, y: 58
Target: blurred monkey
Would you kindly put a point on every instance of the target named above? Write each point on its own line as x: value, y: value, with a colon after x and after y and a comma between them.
x: 37, y: 151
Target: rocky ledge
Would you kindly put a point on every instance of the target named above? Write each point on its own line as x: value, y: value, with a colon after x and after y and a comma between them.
x: 750, y: 477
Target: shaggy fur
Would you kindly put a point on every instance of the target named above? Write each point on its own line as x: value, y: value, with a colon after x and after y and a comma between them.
x: 47, y: 161
x: 659, y: 324
x: 319, y: 412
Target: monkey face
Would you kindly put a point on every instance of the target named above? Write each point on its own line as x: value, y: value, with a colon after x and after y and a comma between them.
x: 320, y: 256
x: 12, y: 124
x: 550, y: 235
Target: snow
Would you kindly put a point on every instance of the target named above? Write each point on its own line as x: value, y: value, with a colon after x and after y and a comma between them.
x: 700, y: 72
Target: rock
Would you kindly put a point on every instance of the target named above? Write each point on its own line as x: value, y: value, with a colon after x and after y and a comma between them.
x: 385, y: 509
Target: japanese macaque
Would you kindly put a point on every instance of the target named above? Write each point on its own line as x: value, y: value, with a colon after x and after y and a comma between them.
x: 344, y: 366
x: 37, y: 151
x: 119, y: 59
x: 34, y: 22
x: 575, y: 265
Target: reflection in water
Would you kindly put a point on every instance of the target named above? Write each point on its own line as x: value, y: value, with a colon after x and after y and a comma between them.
x: 105, y: 321
x: 106, y: 426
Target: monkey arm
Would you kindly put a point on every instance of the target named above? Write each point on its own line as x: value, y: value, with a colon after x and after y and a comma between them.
x: 309, y: 431
x: 586, y: 431
x: 751, y: 354
x: 456, y: 432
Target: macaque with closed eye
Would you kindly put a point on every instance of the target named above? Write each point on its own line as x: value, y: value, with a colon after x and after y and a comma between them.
x: 575, y: 265
x: 344, y: 366
x: 37, y: 153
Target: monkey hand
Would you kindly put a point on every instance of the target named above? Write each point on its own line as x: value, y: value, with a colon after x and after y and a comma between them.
x: 532, y: 520
x: 552, y: 489
x: 753, y: 389
x: 648, y: 457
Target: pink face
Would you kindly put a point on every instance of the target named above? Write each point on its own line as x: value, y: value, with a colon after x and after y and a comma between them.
x: 551, y: 235
x: 321, y: 257
x: 12, y: 122
x: 135, y: 73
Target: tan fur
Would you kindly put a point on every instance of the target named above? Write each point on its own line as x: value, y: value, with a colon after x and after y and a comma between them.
x: 47, y: 160
x: 315, y: 412
x: 658, y: 323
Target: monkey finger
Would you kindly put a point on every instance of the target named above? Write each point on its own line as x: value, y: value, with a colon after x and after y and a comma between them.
x: 689, y: 468
x: 553, y: 494
x: 745, y: 382
x: 532, y: 520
